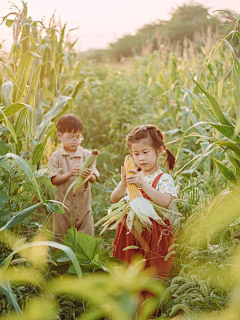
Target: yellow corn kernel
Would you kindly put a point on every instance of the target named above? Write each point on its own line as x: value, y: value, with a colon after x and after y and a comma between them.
x: 132, y: 188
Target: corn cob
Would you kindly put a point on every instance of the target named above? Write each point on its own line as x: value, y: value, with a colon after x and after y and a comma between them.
x: 132, y: 188
x: 88, y: 163
x: 80, y: 181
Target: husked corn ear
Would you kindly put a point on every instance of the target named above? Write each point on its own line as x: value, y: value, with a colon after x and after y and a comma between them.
x: 132, y: 188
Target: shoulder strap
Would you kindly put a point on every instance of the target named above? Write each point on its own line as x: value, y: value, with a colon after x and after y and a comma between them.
x: 155, y: 182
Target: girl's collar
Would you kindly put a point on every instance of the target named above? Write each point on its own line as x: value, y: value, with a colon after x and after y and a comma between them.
x: 153, y: 174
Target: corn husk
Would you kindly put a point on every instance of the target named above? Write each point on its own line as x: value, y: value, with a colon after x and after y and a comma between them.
x: 79, y: 180
x: 115, y: 215
x: 139, y: 211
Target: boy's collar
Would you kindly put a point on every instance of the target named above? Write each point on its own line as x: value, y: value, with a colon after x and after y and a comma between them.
x: 78, y: 153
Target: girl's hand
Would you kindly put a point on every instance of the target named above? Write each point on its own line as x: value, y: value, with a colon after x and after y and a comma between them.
x: 123, y: 177
x: 136, y: 179
x: 86, y: 173
x: 75, y: 170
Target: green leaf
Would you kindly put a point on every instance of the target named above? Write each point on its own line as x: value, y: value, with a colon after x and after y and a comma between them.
x: 227, y: 131
x: 15, y: 51
x: 9, y: 125
x: 235, y: 162
x: 5, y: 288
x: 4, y: 148
x: 6, y: 91
x: 12, y: 109
x: 51, y: 114
x: 46, y: 182
x: 80, y: 83
x: 230, y: 145
x: 10, y: 73
x: 68, y: 251
x: 184, y: 134
x: 34, y: 83
x: 39, y: 149
x: 236, y: 94
x: 3, y: 199
x: 54, y: 207
x: 225, y: 171
x: 84, y: 246
x: 25, y: 167
x: 235, y: 60
x: 215, y: 106
x: 21, y: 120
x: 236, y: 91
x: 23, y: 73
x: 20, y: 216
x: 217, y: 44
x: 200, y: 108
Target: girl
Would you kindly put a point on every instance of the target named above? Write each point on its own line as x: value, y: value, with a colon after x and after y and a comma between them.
x: 146, y: 145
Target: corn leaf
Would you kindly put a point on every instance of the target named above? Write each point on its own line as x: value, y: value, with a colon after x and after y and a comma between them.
x: 23, y: 73
x: 34, y: 83
x: 67, y: 250
x: 218, y: 43
x: 185, y: 133
x: 5, y: 288
x: 235, y: 60
x: 39, y: 149
x: 51, y: 114
x: 225, y: 171
x: 6, y: 91
x: 20, y: 216
x: 9, y: 125
x: 21, y: 120
x: 227, y: 131
x: 199, y: 107
x: 10, y: 73
x: 235, y: 162
x: 214, y: 104
x: 25, y: 167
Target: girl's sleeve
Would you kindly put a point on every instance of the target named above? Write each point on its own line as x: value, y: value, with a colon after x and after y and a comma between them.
x: 166, y: 185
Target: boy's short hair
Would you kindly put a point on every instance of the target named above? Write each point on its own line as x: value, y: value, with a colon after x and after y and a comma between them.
x: 69, y: 123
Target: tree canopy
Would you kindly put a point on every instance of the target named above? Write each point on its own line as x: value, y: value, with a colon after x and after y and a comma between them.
x: 188, y: 21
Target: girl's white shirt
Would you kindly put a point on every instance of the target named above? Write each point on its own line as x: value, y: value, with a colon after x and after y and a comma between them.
x: 165, y: 183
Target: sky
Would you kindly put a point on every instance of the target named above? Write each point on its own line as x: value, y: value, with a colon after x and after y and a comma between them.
x: 101, y: 22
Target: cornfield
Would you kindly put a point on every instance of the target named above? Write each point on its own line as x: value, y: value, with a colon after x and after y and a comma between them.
x: 193, y: 95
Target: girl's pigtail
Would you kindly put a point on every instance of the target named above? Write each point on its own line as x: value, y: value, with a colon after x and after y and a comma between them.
x: 170, y: 159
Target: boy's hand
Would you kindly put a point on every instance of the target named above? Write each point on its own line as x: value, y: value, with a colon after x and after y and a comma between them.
x: 75, y: 170
x: 136, y: 179
x: 86, y: 173
x: 123, y: 177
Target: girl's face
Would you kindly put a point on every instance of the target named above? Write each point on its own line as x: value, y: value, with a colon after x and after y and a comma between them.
x: 145, y: 156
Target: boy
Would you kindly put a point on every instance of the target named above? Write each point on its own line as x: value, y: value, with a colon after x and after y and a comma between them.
x: 70, y: 158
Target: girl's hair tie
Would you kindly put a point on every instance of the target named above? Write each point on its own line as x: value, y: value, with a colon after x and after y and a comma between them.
x: 165, y: 148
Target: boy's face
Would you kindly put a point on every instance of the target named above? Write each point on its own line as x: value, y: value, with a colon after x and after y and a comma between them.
x: 70, y: 140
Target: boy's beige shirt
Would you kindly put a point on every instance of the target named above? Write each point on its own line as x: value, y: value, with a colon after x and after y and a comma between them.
x: 79, y: 203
